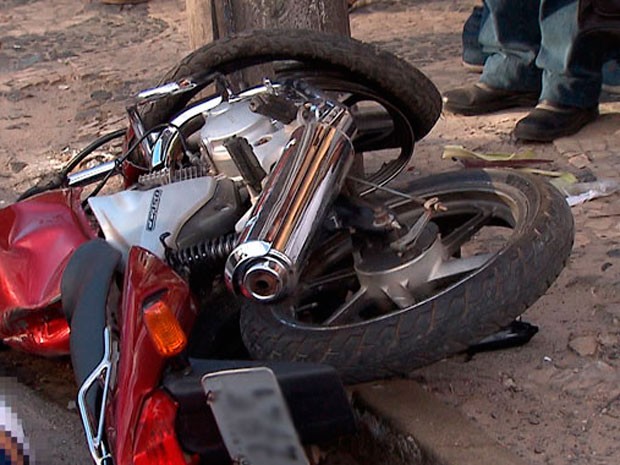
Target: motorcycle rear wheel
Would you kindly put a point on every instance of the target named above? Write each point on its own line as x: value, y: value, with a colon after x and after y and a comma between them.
x: 456, y: 313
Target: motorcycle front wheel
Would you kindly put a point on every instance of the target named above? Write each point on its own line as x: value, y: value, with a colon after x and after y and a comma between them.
x: 505, y: 237
x: 404, y: 103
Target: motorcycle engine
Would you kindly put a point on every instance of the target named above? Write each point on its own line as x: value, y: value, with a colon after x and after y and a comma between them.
x: 195, y: 203
x: 266, y: 136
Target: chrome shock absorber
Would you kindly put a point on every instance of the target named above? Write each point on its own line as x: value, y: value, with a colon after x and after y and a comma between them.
x: 265, y: 264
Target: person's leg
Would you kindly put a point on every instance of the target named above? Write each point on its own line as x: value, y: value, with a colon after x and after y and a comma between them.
x: 571, y: 73
x: 473, y: 57
x: 511, y: 37
x: 611, y: 77
x: 571, y: 77
x: 611, y: 68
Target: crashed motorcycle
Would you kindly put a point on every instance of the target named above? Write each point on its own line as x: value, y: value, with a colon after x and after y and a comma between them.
x: 250, y: 249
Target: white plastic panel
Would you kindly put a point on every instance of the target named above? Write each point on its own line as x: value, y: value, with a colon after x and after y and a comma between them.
x: 131, y: 218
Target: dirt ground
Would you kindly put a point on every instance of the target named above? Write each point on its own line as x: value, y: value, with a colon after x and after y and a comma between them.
x: 67, y: 67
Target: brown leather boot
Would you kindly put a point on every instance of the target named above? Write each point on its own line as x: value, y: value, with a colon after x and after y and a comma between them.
x: 480, y: 98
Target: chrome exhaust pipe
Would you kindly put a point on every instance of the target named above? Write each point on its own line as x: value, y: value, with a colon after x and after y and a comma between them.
x: 273, y: 245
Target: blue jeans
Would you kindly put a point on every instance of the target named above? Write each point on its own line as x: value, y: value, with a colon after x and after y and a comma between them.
x: 532, y: 48
x: 472, y: 50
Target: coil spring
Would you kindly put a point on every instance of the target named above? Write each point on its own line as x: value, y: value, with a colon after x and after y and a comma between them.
x: 207, y: 252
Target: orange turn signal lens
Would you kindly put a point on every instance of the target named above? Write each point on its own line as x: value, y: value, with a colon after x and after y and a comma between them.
x: 165, y: 331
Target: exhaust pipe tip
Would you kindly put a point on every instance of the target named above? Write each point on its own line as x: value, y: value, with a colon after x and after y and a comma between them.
x: 256, y: 271
x: 265, y: 281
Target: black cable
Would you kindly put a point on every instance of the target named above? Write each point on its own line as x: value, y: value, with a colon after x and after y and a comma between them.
x: 54, y: 181
x: 120, y: 160
x: 181, y: 137
x: 77, y: 159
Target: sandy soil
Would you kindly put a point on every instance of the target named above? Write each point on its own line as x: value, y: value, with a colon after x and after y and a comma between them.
x: 68, y: 66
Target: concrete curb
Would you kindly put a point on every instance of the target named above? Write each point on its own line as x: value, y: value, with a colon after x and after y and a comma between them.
x: 444, y: 435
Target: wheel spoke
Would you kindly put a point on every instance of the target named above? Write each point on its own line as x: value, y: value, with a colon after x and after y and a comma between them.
x: 351, y: 307
x: 453, y: 241
x: 336, y: 277
x: 400, y: 295
x: 351, y: 99
x: 337, y: 248
x: 459, y: 266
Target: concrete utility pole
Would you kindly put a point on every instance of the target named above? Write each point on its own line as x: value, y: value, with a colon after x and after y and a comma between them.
x: 210, y: 19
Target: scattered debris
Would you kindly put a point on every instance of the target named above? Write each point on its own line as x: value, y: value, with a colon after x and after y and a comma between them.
x: 101, y: 95
x: 579, y: 161
x: 515, y: 334
x: 534, y: 419
x: 608, y: 340
x: 509, y: 383
x: 471, y: 159
x: 614, y: 253
x: 578, y: 193
x: 584, y: 345
x: 612, y: 408
x: 575, y: 192
x: 17, y: 126
x: 595, y: 376
x: 17, y: 166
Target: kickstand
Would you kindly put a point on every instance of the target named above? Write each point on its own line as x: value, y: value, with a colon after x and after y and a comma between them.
x: 515, y: 334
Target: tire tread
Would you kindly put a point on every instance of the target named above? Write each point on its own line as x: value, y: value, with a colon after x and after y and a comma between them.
x: 448, y: 323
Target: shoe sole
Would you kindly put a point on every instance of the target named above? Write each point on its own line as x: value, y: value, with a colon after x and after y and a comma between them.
x: 491, y: 107
x: 524, y: 135
x: 611, y: 89
x: 473, y: 68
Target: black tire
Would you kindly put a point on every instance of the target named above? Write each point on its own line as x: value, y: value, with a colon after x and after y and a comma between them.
x: 448, y: 322
x: 393, y: 78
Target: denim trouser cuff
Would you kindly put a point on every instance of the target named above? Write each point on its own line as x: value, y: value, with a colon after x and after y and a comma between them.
x: 508, y: 72
x: 570, y: 91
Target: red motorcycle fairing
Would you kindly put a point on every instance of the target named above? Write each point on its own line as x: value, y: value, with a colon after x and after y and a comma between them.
x: 37, y: 237
x: 140, y: 366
